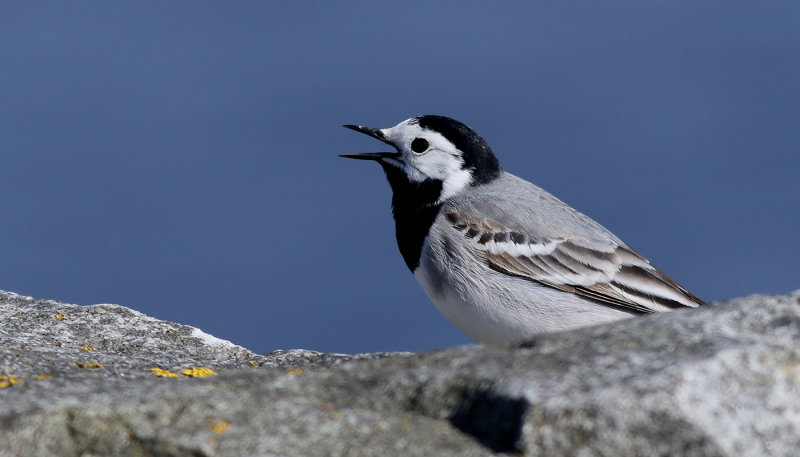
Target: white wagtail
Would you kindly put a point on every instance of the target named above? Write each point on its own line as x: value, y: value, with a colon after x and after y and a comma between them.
x: 501, y: 258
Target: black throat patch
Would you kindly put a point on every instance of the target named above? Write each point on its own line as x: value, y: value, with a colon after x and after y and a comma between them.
x: 414, y: 208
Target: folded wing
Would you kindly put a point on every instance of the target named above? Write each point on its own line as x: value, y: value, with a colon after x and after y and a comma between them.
x: 608, y: 272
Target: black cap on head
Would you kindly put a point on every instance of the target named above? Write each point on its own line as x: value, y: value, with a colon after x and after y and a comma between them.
x: 478, y: 156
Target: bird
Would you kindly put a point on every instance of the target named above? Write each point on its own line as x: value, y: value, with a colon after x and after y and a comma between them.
x: 501, y: 258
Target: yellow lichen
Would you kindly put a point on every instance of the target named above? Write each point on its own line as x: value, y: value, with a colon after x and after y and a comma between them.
x: 87, y: 348
x: 60, y: 316
x: 336, y: 416
x: 220, y: 427
x: 89, y: 365
x: 9, y: 380
x: 296, y: 371
x: 253, y: 363
x: 44, y: 377
x: 199, y: 372
x: 163, y: 373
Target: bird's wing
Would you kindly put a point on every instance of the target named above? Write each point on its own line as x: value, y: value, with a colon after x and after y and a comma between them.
x: 607, y: 271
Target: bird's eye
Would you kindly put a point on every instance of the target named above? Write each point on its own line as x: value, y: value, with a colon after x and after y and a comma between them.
x: 419, y: 145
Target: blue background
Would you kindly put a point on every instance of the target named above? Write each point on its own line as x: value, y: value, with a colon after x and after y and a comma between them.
x: 180, y: 157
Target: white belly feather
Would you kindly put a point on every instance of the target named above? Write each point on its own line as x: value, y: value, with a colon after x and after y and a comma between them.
x: 492, y: 307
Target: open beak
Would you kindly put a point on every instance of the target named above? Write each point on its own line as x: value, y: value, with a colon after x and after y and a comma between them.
x: 374, y: 133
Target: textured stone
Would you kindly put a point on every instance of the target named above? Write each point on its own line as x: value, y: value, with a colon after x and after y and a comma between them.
x: 719, y: 381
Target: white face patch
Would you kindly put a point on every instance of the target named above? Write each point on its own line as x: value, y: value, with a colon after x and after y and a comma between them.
x: 441, y: 161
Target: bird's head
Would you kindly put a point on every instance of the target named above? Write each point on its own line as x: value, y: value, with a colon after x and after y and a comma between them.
x: 434, y: 155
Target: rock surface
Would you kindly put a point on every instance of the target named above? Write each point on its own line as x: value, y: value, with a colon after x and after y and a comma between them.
x: 106, y: 380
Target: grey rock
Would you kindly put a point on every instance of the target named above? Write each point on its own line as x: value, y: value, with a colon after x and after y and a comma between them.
x: 40, y: 337
x: 723, y: 380
x: 303, y: 358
